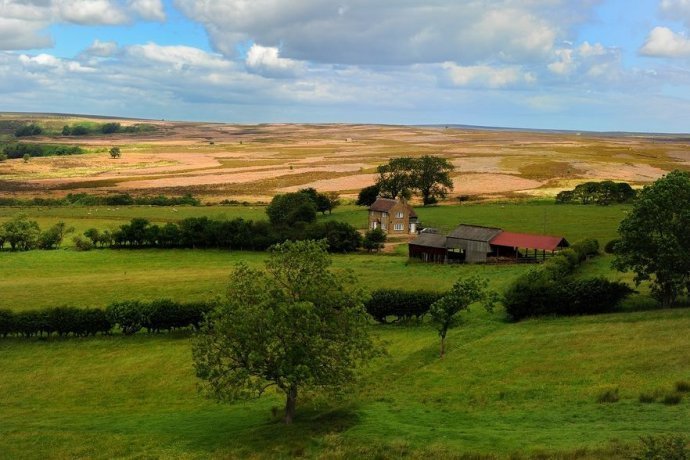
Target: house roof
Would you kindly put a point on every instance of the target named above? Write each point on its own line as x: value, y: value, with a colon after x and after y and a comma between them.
x: 528, y: 241
x: 386, y: 204
x: 474, y: 233
x: 430, y: 240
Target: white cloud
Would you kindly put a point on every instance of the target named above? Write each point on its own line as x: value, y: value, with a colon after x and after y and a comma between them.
x: 362, y: 32
x: 101, y: 49
x: 593, y: 64
x: 22, y: 34
x: 178, y: 57
x: 90, y: 12
x: 676, y: 10
x: 151, y: 10
x: 266, y: 61
x: 485, y: 76
x: 663, y: 42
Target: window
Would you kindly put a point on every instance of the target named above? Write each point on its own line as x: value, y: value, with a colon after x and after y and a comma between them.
x: 399, y: 215
x: 398, y: 227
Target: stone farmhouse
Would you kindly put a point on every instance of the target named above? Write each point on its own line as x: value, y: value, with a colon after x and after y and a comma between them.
x: 393, y: 216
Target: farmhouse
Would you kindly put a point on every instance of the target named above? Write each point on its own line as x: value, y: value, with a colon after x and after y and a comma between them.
x: 392, y: 216
x: 476, y: 244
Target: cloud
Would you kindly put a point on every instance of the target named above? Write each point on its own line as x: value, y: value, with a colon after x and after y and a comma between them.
x: 361, y: 32
x: 179, y: 57
x: 266, y: 61
x: 592, y: 64
x: 101, y: 49
x: 91, y: 12
x: 676, y: 10
x: 663, y: 42
x: 151, y: 10
x: 484, y: 76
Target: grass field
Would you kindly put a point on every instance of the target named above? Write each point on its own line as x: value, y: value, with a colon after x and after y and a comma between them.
x: 503, y: 388
x: 525, y: 389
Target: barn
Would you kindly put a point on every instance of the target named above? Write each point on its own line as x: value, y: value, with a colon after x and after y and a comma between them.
x: 471, y: 243
x: 429, y: 247
x: 525, y: 247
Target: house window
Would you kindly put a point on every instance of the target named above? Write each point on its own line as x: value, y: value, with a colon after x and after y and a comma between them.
x: 399, y: 215
x: 398, y: 227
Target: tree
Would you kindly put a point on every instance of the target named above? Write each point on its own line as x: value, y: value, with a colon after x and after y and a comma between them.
x: 374, y: 239
x: 655, y: 237
x: 53, y: 237
x: 395, y: 178
x: 368, y: 195
x: 444, y: 312
x: 431, y: 177
x: 27, y: 157
x: 322, y: 201
x: 296, y: 326
x: 3, y: 157
x: 115, y: 152
x: 291, y: 208
x: 21, y: 233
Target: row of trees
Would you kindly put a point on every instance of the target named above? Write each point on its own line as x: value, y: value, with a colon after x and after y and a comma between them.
x: 24, y: 150
x: 427, y: 176
x: 111, y: 199
x: 22, y: 234
x: 601, y: 193
x: 129, y: 316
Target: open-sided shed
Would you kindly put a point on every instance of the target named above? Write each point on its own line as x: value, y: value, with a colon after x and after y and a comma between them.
x: 429, y: 247
x: 509, y: 244
x: 473, y: 241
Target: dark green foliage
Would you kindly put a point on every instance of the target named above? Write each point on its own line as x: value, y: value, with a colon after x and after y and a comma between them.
x: 323, y: 201
x: 368, y: 195
x: 7, y: 323
x: 601, y: 193
x: 655, y: 240
x: 110, y: 128
x: 105, y: 128
x: 549, y: 289
x: 647, y: 398
x: 400, y: 304
x: 662, y: 448
x: 115, y: 152
x: 290, y: 209
x: 31, y: 323
x: 116, y: 199
x: 609, y: 396
x: 341, y: 236
x: 683, y: 386
x: 129, y: 315
x: 672, y: 399
x: 20, y: 233
x: 28, y: 130
x: 428, y: 176
x: 610, y: 247
x: 165, y: 314
x: 374, y: 240
x: 20, y: 150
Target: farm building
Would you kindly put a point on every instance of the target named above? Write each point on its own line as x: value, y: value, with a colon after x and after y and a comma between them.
x: 476, y: 244
x: 392, y: 216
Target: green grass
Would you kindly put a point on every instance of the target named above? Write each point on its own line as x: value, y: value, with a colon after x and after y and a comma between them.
x: 503, y: 388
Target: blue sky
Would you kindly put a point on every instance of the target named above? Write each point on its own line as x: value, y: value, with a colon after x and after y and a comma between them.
x: 560, y: 64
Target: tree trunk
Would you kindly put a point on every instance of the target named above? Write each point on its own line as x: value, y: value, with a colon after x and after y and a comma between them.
x: 443, y: 346
x: 290, y: 404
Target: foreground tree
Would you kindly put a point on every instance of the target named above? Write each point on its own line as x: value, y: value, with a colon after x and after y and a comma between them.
x: 444, y: 312
x: 655, y: 237
x: 296, y: 326
x: 431, y: 178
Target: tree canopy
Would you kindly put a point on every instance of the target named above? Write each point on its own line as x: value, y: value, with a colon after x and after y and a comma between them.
x: 427, y: 176
x: 296, y: 326
x: 291, y: 208
x: 655, y: 237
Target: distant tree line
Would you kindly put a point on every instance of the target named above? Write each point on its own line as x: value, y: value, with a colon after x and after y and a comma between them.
x: 22, y: 149
x: 21, y: 234
x: 601, y: 193
x: 427, y: 176
x: 31, y: 129
x: 115, y: 199
x: 204, y: 233
x: 129, y: 317
x: 84, y: 129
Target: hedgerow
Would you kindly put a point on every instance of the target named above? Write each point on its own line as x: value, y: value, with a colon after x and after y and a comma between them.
x: 401, y: 304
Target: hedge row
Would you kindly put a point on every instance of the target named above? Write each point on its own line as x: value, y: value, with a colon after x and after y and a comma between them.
x: 550, y: 289
x: 130, y: 317
x: 18, y: 150
x: 386, y: 303
x: 602, y: 193
x: 113, y: 199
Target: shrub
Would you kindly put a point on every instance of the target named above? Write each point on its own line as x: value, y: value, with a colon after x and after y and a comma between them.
x: 662, y: 448
x: 374, y: 240
x: 341, y: 236
x: 610, y: 247
x: 647, y: 398
x: 400, y: 304
x: 609, y: 396
x: 32, y: 323
x: 81, y: 243
x: 129, y: 315
x: 7, y: 323
x: 586, y: 248
x: 28, y: 130
x: 672, y: 399
x: 683, y: 386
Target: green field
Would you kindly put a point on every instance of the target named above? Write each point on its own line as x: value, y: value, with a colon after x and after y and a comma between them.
x: 528, y: 388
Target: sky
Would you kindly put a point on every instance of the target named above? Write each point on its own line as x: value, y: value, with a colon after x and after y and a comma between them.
x: 596, y: 65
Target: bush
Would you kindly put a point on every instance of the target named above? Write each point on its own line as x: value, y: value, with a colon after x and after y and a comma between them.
x: 374, y: 240
x: 128, y: 315
x: 586, y: 248
x: 610, y: 247
x: 672, y: 399
x: 341, y: 236
x: 82, y: 244
x: 7, y: 323
x: 609, y: 396
x: 32, y: 323
x: 647, y: 398
x: 21, y: 150
x: 401, y: 304
x: 662, y: 448
x: 28, y: 130
x: 683, y: 386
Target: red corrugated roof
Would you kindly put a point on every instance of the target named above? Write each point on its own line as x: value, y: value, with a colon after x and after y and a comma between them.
x: 527, y: 241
